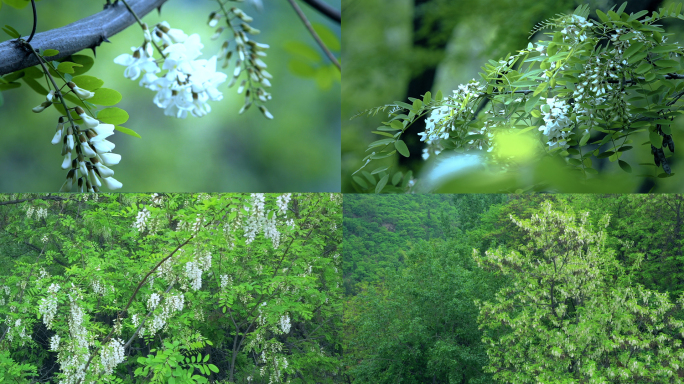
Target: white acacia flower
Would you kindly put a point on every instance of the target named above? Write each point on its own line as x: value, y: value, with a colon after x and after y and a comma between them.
x: 112, y: 183
x: 141, y: 60
x: 168, y: 35
x: 80, y: 92
x: 108, y: 159
x: 88, y: 121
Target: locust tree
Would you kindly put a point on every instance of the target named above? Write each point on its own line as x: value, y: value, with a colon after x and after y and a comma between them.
x: 233, y: 288
x: 171, y: 65
x: 548, y: 116
x: 573, y: 313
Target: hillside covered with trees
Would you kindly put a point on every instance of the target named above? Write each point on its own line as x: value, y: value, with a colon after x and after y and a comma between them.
x: 518, y: 289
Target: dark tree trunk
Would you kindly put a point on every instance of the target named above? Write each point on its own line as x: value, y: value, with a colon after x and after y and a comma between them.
x: 420, y: 82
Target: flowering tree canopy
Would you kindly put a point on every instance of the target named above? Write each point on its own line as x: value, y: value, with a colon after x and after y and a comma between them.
x: 573, y: 314
x: 594, y: 90
x: 170, y: 288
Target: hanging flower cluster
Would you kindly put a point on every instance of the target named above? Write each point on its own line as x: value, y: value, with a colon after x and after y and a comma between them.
x: 188, y: 83
x: 87, y: 152
x: 558, y: 125
x: 248, y: 54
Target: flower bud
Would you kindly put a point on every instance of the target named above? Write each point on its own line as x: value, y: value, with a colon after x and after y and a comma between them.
x: 243, y: 16
x: 112, y: 183
x: 51, y: 95
x: 146, y: 32
x: 66, y: 164
x: 58, y: 134
x: 66, y: 187
x: 265, y: 112
x: 42, y: 106
x: 89, y: 121
x: 213, y: 19
x: 80, y: 92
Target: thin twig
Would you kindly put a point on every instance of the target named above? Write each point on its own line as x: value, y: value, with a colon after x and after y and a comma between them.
x: 142, y: 25
x: 314, y: 34
x: 326, y: 10
x: 35, y: 21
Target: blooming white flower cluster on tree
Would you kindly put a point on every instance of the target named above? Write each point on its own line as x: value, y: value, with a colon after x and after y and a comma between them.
x: 188, y: 83
x: 557, y: 124
x: 48, y: 305
x: 248, y: 54
x: 584, y: 89
x: 112, y: 355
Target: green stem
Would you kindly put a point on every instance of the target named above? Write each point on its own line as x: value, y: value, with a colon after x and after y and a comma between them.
x: 58, y: 93
x: 314, y: 34
x: 142, y: 25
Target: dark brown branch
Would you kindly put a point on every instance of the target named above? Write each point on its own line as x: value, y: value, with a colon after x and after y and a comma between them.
x: 89, y: 32
x: 48, y: 197
x: 326, y: 10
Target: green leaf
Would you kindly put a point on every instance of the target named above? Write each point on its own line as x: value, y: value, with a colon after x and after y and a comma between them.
x: 417, y: 104
x: 18, y: 4
x: 643, y: 68
x: 667, y: 63
x: 625, y: 166
x: 35, y: 86
x: 90, y: 83
x: 402, y: 148
x: 11, y: 31
x: 603, y: 17
x: 439, y: 95
x: 427, y: 97
x: 637, y: 58
x: 531, y: 103
x: 383, y: 133
x: 4, y: 87
x: 634, y: 48
x: 86, y: 63
x: 302, y: 51
x: 213, y: 368
x: 105, y: 96
x: 605, y: 154
x: 50, y: 52
x: 584, y: 139
x: 381, y: 184
x: 67, y: 67
x: 396, y: 124
x: 113, y: 116
x: 301, y: 68
x: 656, y: 139
x: 396, y: 178
x: 540, y: 88
x: 378, y: 170
x: 125, y: 130
x: 327, y: 36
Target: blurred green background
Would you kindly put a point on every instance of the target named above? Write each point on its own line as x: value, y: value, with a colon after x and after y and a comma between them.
x: 223, y: 151
x: 381, y: 61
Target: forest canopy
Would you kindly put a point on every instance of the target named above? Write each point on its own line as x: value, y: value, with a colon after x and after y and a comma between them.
x: 534, y: 289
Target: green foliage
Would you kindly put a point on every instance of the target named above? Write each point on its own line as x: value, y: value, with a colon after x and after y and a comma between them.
x: 11, y: 371
x: 200, y: 288
x: 594, y: 89
x: 572, y: 314
x: 420, y: 326
x: 175, y: 364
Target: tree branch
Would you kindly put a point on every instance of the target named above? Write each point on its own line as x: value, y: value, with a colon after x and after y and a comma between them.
x: 314, y: 34
x: 89, y: 32
x: 326, y: 10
